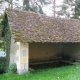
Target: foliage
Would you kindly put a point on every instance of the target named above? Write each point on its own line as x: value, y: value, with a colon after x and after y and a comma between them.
x: 7, y: 36
x: 29, y: 5
x: 70, y: 9
x: 12, y: 68
x: 35, y: 5
x: 10, y: 2
x: 76, y: 13
x: 62, y: 73
x: 2, y: 45
x: 2, y: 64
x: 1, y: 18
x: 2, y: 59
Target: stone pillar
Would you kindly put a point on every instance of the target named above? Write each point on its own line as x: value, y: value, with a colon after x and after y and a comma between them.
x: 14, y: 51
x: 23, y: 64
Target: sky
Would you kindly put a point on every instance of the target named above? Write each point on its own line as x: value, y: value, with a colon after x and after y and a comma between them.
x: 59, y: 1
x: 49, y: 10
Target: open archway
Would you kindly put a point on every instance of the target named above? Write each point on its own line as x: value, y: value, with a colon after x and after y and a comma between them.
x: 50, y: 55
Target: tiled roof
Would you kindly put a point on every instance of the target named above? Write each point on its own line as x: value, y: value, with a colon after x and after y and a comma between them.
x: 33, y: 27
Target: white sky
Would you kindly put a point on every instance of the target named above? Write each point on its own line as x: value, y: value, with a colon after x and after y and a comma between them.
x: 58, y: 1
x: 49, y: 10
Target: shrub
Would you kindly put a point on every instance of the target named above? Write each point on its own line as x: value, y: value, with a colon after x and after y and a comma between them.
x: 3, y: 64
x: 13, y: 68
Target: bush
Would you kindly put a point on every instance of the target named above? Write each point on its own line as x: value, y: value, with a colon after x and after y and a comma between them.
x: 3, y: 64
x: 13, y: 68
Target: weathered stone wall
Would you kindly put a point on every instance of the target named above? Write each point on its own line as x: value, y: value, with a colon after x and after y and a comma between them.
x: 52, y: 51
x: 23, y: 53
x: 19, y: 55
x: 72, y: 50
x: 24, y: 58
x: 14, y: 50
x: 44, y: 51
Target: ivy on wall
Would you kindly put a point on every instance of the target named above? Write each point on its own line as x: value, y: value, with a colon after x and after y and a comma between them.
x: 7, y: 38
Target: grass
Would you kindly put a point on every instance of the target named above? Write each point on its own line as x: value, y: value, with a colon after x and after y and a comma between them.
x: 62, y: 73
x: 1, y: 49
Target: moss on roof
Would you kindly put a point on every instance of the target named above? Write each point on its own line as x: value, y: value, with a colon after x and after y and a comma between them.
x: 33, y: 27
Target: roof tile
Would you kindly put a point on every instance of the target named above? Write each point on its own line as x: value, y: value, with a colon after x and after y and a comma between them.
x: 33, y: 27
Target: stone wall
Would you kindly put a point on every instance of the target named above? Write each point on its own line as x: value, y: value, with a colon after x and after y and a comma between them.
x: 24, y: 54
x: 54, y: 51
x: 24, y: 58
x: 72, y: 50
x: 44, y: 51
x: 19, y: 55
x: 14, y: 50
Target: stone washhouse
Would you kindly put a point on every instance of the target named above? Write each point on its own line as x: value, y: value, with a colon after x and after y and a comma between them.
x: 36, y: 38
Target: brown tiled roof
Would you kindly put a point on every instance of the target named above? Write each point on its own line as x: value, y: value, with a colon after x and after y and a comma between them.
x: 32, y: 27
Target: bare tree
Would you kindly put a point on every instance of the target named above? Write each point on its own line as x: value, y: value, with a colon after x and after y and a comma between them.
x: 54, y: 8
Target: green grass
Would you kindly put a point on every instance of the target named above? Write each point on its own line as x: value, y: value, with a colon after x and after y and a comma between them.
x: 1, y: 49
x: 62, y: 73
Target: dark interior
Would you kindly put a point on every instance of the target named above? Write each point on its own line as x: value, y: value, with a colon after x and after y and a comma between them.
x: 69, y: 55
